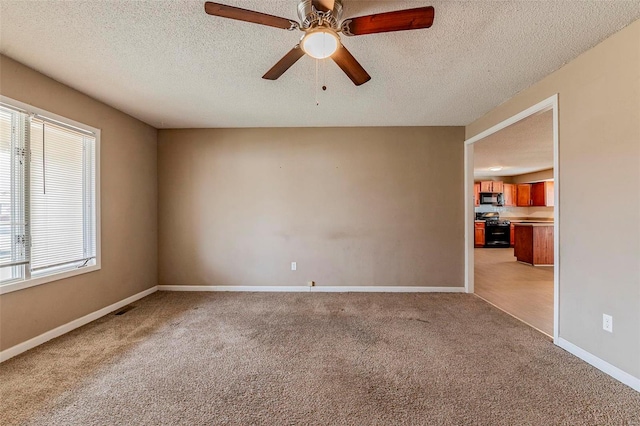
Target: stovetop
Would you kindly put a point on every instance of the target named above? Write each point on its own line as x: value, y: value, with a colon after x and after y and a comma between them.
x: 492, y: 219
x: 498, y: 223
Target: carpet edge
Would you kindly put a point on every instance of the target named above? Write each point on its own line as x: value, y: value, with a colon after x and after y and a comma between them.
x: 602, y: 365
x: 315, y: 289
x: 72, y: 325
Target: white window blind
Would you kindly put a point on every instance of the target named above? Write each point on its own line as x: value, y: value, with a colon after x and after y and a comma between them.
x: 13, y: 165
x: 62, y: 196
x: 49, y: 225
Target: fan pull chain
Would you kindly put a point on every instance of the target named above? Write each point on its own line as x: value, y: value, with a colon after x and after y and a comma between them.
x: 324, y: 75
x: 316, y: 85
x: 324, y: 78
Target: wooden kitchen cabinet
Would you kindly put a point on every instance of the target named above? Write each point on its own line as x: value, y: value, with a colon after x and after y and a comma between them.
x: 491, y: 186
x: 534, y: 243
x: 542, y: 194
x: 479, y: 234
x: 476, y: 194
x: 512, y: 234
x: 523, y: 197
x: 509, y: 194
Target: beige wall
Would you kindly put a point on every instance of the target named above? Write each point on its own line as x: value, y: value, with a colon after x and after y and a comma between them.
x: 599, y: 121
x: 129, y: 211
x: 534, y: 177
x: 352, y: 206
x: 505, y: 179
x: 524, y: 178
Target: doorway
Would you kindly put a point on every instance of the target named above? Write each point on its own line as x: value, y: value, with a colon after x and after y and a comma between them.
x: 509, y: 277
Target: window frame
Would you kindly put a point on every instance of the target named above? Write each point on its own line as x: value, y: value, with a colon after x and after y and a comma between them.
x: 12, y: 286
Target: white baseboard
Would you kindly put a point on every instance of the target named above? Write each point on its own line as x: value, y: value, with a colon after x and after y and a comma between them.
x: 384, y: 289
x: 299, y: 288
x: 315, y: 289
x: 63, y: 329
x: 604, y: 366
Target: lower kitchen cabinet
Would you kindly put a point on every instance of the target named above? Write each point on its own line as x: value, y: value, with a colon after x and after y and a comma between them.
x: 513, y: 235
x: 534, y: 243
x: 479, y: 234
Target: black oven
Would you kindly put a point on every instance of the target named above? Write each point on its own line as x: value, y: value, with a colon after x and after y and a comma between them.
x: 497, y: 235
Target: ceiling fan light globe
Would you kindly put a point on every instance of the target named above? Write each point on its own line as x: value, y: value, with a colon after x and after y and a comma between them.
x: 320, y: 44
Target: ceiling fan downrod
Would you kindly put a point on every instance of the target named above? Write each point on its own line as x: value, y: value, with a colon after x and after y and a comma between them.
x: 326, y: 13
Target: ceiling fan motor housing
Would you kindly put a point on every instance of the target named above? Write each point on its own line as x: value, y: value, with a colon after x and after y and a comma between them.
x: 311, y: 17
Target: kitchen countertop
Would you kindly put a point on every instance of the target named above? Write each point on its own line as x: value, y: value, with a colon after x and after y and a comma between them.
x: 523, y: 222
x: 539, y: 222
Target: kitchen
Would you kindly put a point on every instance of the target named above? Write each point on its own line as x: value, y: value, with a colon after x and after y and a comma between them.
x: 504, y: 215
x: 514, y: 205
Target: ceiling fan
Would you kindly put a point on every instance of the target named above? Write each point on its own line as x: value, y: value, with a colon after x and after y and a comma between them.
x: 320, y: 22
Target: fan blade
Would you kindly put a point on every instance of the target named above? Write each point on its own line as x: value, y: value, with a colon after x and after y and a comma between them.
x: 284, y: 64
x: 245, y: 15
x: 324, y: 5
x: 350, y: 66
x: 400, y: 20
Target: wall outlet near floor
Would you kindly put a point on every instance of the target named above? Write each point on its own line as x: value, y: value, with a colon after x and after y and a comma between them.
x: 607, y: 323
x: 311, y: 283
x: 294, y: 266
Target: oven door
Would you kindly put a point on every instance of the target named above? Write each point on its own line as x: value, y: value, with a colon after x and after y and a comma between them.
x: 497, y: 236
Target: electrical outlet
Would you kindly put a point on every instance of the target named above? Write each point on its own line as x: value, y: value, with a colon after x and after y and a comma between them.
x: 607, y: 323
x: 294, y: 266
x: 311, y: 283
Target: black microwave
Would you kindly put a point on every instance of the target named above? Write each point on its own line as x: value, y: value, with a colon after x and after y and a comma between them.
x: 492, y: 198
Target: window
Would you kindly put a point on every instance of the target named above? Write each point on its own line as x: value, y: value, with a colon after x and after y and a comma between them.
x: 48, y: 197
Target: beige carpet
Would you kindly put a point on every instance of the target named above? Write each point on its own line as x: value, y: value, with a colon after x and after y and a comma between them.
x: 309, y: 358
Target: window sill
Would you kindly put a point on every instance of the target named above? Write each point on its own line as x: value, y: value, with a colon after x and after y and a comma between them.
x: 21, y: 285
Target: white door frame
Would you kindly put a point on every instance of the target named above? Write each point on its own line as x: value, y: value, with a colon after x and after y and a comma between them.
x: 546, y: 105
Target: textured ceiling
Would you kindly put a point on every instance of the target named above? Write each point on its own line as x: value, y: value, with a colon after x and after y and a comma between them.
x: 171, y: 65
x: 523, y: 147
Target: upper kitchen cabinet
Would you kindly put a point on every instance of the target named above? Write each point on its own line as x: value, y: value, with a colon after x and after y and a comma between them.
x: 523, y: 198
x: 476, y: 194
x: 509, y: 194
x: 491, y: 186
x: 542, y: 194
x: 535, y: 194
